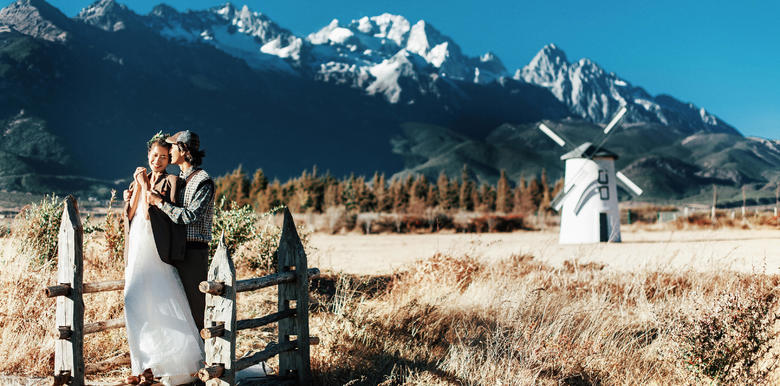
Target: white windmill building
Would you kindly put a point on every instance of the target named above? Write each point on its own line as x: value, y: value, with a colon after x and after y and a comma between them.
x: 588, y: 203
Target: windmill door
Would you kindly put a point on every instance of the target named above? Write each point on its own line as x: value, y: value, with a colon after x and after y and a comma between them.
x: 603, y: 227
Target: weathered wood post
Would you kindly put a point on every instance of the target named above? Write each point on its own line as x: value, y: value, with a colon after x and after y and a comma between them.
x: 221, y: 311
x: 68, y: 349
x: 292, y: 258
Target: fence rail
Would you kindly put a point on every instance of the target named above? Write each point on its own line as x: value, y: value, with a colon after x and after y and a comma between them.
x: 220, y: 316
x: 221, y: 326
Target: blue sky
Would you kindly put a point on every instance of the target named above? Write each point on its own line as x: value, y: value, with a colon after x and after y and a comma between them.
x: 720, y: 55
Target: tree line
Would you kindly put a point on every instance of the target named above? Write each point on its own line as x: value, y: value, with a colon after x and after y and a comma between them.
x: 315, y: 192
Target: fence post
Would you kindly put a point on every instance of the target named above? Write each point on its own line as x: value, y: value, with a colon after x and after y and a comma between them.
x: 293, y: 258
x: 221, y: 310
x: 68, y: 350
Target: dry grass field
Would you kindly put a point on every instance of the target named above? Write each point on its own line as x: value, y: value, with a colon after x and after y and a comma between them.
x: 664, y: 307
x: 643, y: 248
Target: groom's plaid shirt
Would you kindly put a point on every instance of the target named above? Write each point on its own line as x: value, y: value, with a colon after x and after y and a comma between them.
x: 198, y: 205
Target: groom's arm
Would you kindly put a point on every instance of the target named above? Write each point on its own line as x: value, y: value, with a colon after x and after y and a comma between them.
x: 192, y: 212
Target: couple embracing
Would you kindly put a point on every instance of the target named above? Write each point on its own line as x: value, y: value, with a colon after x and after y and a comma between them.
x: 168, y: 229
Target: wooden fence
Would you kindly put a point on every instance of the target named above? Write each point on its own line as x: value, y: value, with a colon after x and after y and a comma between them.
x: 220, y: 321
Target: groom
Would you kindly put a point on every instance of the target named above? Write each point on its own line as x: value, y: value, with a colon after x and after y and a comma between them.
x: 197, y: 212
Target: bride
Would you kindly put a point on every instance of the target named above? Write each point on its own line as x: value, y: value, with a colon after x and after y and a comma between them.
x: 160, y: 330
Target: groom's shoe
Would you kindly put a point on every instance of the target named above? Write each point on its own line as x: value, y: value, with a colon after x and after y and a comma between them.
x: 132, y: 380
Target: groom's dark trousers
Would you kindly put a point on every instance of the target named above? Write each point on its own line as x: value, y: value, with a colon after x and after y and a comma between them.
x: 193, y: 270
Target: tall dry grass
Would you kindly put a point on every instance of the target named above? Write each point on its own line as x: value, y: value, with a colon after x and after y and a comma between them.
x: 461, y: 320
x: 27, y: 329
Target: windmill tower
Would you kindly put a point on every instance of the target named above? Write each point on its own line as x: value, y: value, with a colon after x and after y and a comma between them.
x: 588, y: 202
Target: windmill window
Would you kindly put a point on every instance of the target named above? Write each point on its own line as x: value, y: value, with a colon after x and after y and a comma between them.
x: 604, y: 192
x: 603, y: 176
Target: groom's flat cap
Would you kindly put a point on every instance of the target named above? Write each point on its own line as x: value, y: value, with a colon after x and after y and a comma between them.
x: 186, y: 137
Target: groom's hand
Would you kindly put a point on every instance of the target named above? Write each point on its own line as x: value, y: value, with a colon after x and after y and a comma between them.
x: 153, y: 198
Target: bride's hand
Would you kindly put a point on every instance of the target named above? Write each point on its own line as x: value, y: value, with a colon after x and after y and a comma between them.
x: 139, y: 176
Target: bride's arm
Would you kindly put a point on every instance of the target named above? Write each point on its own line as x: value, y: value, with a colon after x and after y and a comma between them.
x: 133, y: 200
x: 137, y: 189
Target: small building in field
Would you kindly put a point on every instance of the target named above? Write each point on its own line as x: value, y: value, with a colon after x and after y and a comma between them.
x: 589, y: 203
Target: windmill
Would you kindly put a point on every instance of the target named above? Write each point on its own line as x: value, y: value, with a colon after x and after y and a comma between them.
x: 588, y: 202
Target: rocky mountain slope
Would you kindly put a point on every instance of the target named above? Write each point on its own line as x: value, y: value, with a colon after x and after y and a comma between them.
x: 378, y: 93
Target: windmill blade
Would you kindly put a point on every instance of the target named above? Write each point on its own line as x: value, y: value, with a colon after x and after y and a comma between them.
x: 552, y: 135
x: 557, y: 202
x: 621, y: 112
x: 630, y: 184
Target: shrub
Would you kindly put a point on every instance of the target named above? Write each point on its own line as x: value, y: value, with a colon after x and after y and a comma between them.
x: 114, y: 230
x: 36, y: 227
x: 259, y: 253
x: 237, y: 223
x: 727, y: 339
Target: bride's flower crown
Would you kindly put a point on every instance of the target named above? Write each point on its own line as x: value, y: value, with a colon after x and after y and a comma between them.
x: 156, y: 137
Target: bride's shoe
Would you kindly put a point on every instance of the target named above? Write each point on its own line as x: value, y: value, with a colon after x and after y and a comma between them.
x: 147, y: 377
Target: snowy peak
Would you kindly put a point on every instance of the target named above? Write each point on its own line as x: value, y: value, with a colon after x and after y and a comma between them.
x: 546, y: 67
x: 331, y: 34
x: 240, y: 32
x: 109, y: 15
x: 356, y: 48
x: 438, y: 50
x: 37, y: 18
x: 595, y: 94
x: 385, y: 26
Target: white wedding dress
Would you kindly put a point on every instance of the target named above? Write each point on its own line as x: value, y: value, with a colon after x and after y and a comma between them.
x: 160, y: 330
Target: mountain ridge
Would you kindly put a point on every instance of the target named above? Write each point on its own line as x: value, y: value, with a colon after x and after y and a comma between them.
x: 343, y: 97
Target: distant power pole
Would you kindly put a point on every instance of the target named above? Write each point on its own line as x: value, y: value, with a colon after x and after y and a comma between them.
x: 743, y: 201
x: 714, y: 201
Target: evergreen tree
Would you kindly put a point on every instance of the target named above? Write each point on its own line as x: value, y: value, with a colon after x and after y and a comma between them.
x: 257, y: 187
x: 534, y: 191
x: 365, y: 197
x: 417, y: 195
x: 465, y: 201
x: 443, y: 186
x: 272, y: 196
x: 384, y: 199
x: 399, y: 193
x: 348, y: 195
x: 558, y: 187
x: 331, y: 198
x: 234, y: 187
x: 503, y: 196
x: 430, y: 196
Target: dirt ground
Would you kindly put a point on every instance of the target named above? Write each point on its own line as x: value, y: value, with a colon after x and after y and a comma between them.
x: 741, y: 250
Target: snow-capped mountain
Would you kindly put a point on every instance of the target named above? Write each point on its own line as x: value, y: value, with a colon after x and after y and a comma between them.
x: 595, y: 94
x: 384, y: 55
x: 377, y: 53
x: 242, y: 33
x: 39, y: 19
x: 337, y: 98
x: 110, y: 16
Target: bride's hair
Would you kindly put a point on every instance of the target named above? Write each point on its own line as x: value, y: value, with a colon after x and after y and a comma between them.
x: 159, y: 141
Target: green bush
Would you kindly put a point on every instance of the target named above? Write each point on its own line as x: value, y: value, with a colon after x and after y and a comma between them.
x: 114, y: 229
x: 260, y: 252
x: 251, y: 238
x: 237, y: 223
x: 36, y: 228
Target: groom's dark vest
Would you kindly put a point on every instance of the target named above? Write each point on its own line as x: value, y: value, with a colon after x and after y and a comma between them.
x: 169, y: 238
